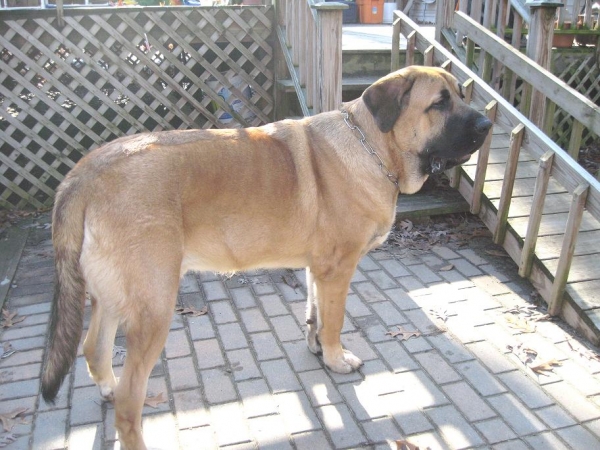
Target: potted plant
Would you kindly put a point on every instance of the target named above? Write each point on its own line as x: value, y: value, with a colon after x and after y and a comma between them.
x: 561, y: 38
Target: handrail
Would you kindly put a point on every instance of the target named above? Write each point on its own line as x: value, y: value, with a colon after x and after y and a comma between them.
x: 576, y: 104
x: 566, y: 171
x: 310, y: 34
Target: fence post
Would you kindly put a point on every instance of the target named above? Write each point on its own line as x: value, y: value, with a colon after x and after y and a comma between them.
x: 328, y: 49
x: 539, y: 49
x: 444, y: 12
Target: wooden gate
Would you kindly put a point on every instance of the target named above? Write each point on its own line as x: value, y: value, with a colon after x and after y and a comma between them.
x: 66, y: 88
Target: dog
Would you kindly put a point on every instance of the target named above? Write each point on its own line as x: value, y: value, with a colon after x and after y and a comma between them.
x: 137, y: 213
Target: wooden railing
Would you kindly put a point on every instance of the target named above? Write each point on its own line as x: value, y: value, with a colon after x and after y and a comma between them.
x: 310, y: 34
x: 524, y: 136
x: 568, y: 117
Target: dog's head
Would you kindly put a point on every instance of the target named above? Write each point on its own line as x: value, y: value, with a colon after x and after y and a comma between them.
x: 423, y: 110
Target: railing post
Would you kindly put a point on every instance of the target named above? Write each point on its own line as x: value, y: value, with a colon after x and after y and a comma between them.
x: 328, y: 48
x: 443, y: 13
x: 539, y: 49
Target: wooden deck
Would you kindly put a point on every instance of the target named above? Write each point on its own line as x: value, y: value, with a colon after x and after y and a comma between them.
x: 542, y: 207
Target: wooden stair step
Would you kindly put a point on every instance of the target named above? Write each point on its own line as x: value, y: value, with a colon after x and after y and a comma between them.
x: 350, y: 83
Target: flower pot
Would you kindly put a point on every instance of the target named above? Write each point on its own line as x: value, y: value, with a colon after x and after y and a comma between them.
x: 563, y: 40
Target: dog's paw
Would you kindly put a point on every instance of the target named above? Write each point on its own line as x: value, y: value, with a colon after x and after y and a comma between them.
x: 107, y: 390
x: 346, y: 364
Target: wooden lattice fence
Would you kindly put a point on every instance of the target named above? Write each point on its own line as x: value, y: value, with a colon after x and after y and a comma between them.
x: 66, y: 88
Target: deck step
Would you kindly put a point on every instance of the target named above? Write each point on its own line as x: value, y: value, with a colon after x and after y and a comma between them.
x: 432, y: 202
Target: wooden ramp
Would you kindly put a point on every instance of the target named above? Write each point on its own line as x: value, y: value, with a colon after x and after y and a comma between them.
x: 541, y: 206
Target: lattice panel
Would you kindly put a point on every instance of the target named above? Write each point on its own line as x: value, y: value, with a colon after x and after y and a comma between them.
x: 116, y: 71
x: 584, y: 76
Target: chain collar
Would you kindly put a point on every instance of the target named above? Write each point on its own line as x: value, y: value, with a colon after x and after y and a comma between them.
x: 370, y: 150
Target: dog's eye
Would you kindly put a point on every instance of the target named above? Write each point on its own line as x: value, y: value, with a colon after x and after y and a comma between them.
x: 441, y: 104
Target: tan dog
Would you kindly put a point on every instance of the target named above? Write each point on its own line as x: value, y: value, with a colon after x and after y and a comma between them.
x: 136, y: 214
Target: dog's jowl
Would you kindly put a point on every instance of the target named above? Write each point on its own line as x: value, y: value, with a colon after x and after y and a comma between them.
x: 136, y: 214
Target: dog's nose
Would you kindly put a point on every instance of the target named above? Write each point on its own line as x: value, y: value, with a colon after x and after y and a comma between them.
x: 482, y: 125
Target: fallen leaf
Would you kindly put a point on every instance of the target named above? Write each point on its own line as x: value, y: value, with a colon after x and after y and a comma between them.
x: 404, y: 335
x: 519, y: 323
x: 153, y: 402
x: 191, y: 311
x: 9, y: 420
x: 405, y: 445
x: 546, y: 366
x: 6, y: 439
x: 447, y: 268
x: 497, y: 253
x: 120, y: 352
x: 10, y: 318
x: 442, y: 315
x: 406, y: 225
x: 291, y: 281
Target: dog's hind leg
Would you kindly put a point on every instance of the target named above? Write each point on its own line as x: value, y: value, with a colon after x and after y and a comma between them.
x: 151, y: 301
x: 312, y: 316
x: 98, y: 349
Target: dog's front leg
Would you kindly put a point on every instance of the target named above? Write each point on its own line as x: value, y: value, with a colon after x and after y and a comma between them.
x: 331, y: 292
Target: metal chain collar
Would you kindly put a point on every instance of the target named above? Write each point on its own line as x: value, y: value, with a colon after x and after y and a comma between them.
x: 370, y: 150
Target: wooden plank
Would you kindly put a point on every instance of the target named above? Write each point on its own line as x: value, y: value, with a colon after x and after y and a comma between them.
x: 563, y: 270
x: 585, y: 294
x: 533, y: 223
x: 395, y: 57
x: 549, y: 247
x: 509, y: 182
x: 553, y: 224
x: 482, y: 160
x: 555, y: 203
x: 11, y: 247
x: 295, y: 78
x: 430, y: 203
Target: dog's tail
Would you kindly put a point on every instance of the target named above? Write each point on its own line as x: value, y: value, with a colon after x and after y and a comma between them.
x: 66, y: 321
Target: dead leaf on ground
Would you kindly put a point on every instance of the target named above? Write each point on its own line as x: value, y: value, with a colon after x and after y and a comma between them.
x: 6, y: 439
x: 405, y: 445
x: 120, y: 352
x: 447, y: 268
x: 153, y: 402
x: 519, y: 323
x: 191, y: 311
x: 547, y: 366
x: 497, y: 253
x: 10, y: 419
x: 404, y: 335
x: 440, y: 314
x: 10, y: 318
x: 291, y: 281
x: 584, y: 352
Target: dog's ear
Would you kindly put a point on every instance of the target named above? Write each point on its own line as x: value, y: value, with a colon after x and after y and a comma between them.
x: 387, y: 98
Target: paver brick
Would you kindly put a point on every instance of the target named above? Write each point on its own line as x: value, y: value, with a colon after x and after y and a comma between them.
x: 256, y: 398
x: 273, y: 305
x: 201, y: 328
x: 232, y: 336
x: 49, y: 432
x: 269, y: 432
x: 300, y: 356
x: 396, y: 357
x: 493, y: 358
x: 438, y: 369
x: 455, y: 429
x: 525, y: 390
x: 495, y: 430
x: 229, y: 424
x: 280, y: 376
x: 243, y: 298
x: 254, y: 320
x: 286, y: 328
x: 444, y: 252
x: 182, y: 373
x: 468, y: 401
x: 222, y: 312
x: 190, y: 437
x: 545, y: 441
x: 214, y: 290
x: 483, y: 382
x: 218, y: 387
x: 242, y: 364
x: 86, y: 406
x: 369, y: 292
x: 424, y: 273
x: 519, y: 418
x: 381, y: 430
x: 407, y: 415
x: 382, y: 280
x: 573, y: 401
x: 297, y: 414
x: 356, y: 307
x: 341, y: 426
x: 388, y: 313
x: 86, y: 436
x: 208, y: 353
x: 578, y: 437
x: 265, y: 346
x: 394, y: 268
x: 311, y: 440
x: 177, y: 344
x: 555, y: 417
x: 190, y: 409
x: 319, y: 388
